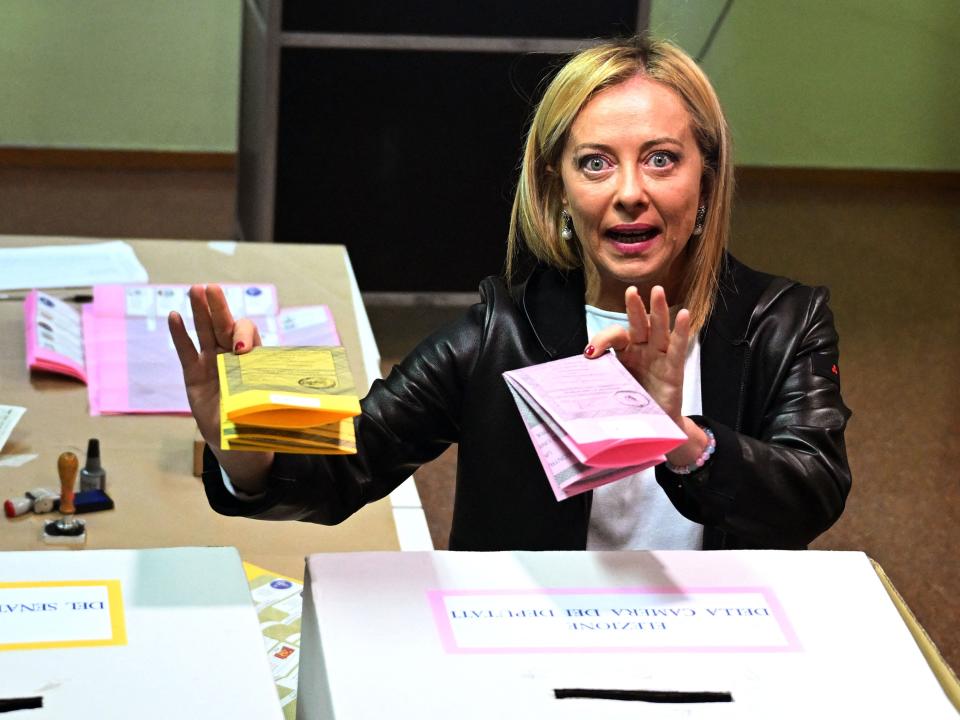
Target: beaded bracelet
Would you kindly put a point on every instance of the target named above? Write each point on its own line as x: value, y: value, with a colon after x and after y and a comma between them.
x: 700, y: 461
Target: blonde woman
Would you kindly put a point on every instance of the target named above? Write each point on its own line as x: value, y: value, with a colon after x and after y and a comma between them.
x: 618, y: 241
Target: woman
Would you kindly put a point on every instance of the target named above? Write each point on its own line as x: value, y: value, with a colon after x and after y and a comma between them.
x: 624, y: 197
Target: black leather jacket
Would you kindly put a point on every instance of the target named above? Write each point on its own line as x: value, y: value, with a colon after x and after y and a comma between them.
x: 770, y: 391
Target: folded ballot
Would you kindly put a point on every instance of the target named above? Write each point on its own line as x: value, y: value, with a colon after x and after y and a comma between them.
x: 289, y: 399
x: 590, y: 421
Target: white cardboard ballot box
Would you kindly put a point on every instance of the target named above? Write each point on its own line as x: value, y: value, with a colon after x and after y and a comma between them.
x: 146, y: 634
x: 494, y: 635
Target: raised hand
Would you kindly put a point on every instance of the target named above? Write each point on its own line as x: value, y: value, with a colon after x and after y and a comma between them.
x: 652, y: 353
x: 655, y: 356
x: 217, y: 332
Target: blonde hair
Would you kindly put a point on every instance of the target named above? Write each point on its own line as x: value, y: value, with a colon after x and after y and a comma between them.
x: 535, y: 218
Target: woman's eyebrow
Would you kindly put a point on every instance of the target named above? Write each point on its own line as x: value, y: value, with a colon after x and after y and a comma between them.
x: 663, y: 140
x: 591, y: 146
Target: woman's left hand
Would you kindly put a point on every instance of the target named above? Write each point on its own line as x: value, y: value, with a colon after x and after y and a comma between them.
x: 652, y: 353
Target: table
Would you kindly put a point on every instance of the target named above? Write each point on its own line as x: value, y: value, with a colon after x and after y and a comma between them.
x: 148, y: 459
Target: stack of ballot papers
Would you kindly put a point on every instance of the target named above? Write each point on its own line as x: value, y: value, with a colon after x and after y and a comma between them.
x: 120, y: 347
x: 289, y: 399
x: 590, y: 421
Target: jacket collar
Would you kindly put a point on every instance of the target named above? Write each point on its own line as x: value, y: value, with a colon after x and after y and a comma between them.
x: 553, y: 301
x: 724, y: 344
x: 738, y: 290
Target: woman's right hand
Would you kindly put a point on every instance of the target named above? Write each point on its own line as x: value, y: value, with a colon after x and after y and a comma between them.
x: 217, y: 332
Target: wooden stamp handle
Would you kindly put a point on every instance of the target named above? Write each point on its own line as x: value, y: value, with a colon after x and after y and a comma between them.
x: 67, y: 466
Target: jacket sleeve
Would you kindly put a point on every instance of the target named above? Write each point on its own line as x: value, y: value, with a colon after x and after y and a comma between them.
x: 406, y: 420
x: 782, y: 478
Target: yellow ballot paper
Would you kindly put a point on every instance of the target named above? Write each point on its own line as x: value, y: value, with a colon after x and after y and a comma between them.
x: 290, y: 399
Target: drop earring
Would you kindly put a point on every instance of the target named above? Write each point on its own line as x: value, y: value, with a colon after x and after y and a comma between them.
x: 701, y: 217
x: 566, y: 226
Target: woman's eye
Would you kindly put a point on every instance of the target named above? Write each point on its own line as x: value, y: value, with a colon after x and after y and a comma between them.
x: 594, y: 163
x: 661, y: 160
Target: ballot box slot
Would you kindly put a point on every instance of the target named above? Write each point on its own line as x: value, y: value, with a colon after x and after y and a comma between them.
x: 653, y: 696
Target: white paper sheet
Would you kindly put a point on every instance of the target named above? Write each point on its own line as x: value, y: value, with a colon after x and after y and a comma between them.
x: 17, y: 460
x: 62, y: 266
x: 9, y: 417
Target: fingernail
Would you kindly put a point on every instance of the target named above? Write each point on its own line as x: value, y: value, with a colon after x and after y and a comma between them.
x: 590, y: 350
x: 238, y: 347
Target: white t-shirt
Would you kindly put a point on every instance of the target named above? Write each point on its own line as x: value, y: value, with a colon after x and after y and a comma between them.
x: 634, y: 513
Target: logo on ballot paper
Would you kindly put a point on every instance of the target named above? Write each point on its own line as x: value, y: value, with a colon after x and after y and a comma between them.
x: 641, y: 619
x: 631, y: 398
x: 284, y: 652
x: 317, y: 382
x: 61, y: 614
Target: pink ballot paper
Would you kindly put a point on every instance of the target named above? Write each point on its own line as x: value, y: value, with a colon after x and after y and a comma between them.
x: 590, y: 421
x: 54, y: 339
x: 121, y: 348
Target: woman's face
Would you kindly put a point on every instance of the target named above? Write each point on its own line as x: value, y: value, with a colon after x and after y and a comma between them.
x: 631, y: 173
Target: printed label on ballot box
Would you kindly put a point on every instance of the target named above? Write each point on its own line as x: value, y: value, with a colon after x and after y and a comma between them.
x: 748, y: 619
x: 60, y: 614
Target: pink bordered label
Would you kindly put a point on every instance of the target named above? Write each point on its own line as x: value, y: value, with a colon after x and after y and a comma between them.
x: 630, y: 619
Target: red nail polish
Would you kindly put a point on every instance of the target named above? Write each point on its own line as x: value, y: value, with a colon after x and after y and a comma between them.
x: 238, y: 347
x: 589, y: 351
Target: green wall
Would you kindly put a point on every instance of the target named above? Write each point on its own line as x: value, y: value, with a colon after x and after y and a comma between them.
x: 120, y: 74
x: 831, y: 83
x: 814, y: 83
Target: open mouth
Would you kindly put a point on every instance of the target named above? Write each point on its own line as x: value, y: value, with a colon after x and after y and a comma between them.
x: 629, y: 237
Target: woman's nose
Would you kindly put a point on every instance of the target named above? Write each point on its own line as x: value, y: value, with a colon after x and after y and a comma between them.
x: 631, y: 189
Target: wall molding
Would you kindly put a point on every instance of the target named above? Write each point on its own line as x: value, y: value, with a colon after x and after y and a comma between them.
x: 848, y: 177
x: 97, y: 159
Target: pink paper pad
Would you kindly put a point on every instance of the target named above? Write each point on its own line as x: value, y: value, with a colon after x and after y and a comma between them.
x: 132, y: 365
x: 53, y: 337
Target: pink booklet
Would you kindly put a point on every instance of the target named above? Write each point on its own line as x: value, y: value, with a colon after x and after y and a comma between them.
x: 54, y: 338
x: 122, y: 349
x: 590, y: 421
